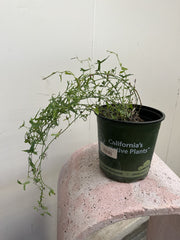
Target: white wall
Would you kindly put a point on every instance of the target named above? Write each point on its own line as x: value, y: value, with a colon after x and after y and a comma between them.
x: 40, y: 36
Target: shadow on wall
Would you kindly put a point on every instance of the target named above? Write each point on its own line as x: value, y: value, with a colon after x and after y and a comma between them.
x: 24, y: 227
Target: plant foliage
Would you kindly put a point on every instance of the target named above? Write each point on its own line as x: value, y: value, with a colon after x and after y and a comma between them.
x: 93, y: 88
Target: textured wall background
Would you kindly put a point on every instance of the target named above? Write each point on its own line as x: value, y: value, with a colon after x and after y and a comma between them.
x: 40, y: 36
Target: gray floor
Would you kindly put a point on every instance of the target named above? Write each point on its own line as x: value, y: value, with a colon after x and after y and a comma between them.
x: 138, y: 234
x: 131, y: 229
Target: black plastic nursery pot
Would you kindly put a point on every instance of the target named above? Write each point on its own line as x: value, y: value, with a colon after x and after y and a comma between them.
x: 126, y: 148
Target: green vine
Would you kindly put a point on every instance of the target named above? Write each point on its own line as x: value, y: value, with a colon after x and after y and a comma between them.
x: 93, y: 88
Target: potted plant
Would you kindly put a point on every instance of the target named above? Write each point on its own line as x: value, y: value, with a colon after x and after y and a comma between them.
x: 127, y: 130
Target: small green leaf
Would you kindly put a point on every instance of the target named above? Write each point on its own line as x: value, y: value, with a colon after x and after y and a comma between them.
x: 44, y: 207
x: 36, y: 180
x: 24, y: 185
x: 56, y: 134
x: 22, y: 125
x: 48, y: 213
x: 84, y: 70
x: 51, y: 192
x: 19, y: 182
x: 124, y: 69
x: 45, y: 213
x: 31, y: 163
x: 96, y: 110
x: 30, y: 151
x: 35, y: 208
x: 27, y: 150
x: 68, y: 73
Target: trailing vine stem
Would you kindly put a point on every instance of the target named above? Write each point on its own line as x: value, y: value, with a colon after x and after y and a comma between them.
x: 88, y: 92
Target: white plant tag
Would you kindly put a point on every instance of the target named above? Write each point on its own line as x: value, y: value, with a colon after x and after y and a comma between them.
x: 111, y: 152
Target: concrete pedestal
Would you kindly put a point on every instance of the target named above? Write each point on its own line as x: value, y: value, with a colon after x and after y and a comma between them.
x: 88, y: 201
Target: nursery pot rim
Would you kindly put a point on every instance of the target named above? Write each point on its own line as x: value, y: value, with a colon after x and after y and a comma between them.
x: 160, y: 116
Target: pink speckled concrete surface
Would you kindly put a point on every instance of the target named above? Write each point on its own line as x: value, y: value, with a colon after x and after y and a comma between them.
x: 89, y: 201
